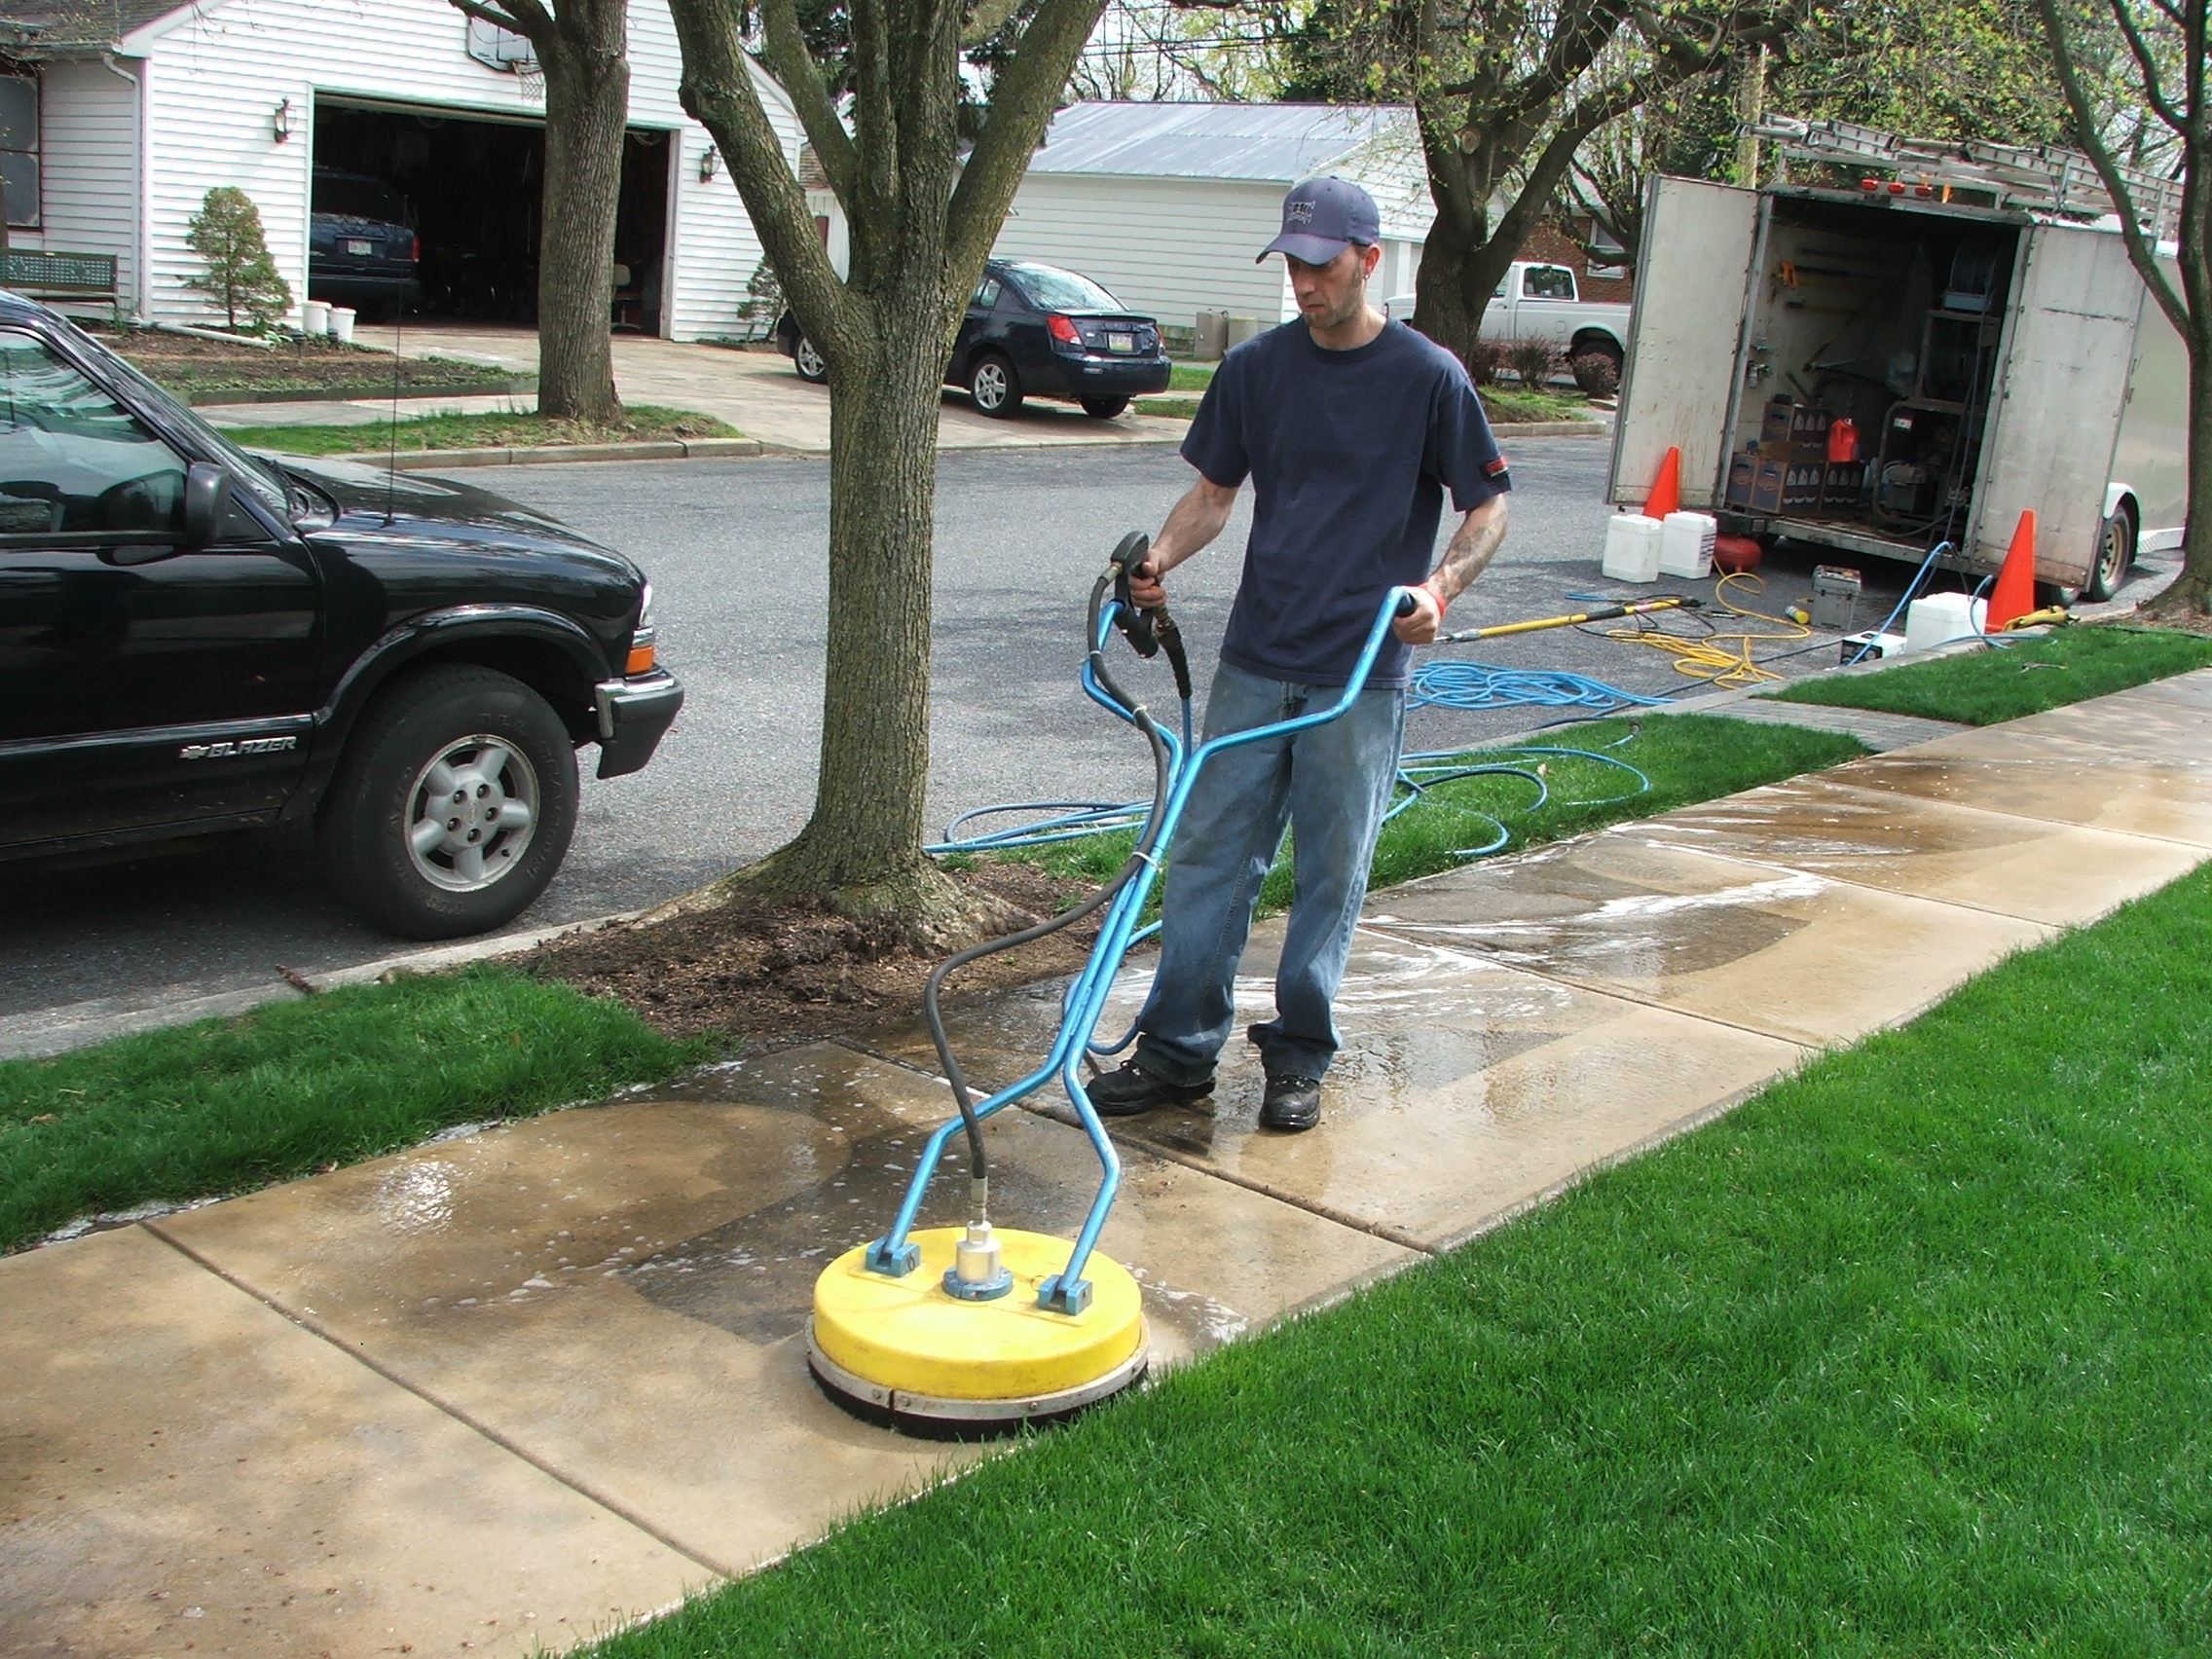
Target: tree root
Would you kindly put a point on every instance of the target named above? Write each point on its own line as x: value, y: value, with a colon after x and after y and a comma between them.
x: 916, y: 906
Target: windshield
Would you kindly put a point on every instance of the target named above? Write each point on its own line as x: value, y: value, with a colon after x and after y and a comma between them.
x: 1054, y: 289
x: 360, y: 199
x: 256, y: 475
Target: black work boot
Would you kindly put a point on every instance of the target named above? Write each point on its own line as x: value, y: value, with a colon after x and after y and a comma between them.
x: 1130, y: 1088
x: 1291, y: 1103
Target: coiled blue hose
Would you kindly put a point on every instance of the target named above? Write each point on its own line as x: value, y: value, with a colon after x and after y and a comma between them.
x: 1451, y: 684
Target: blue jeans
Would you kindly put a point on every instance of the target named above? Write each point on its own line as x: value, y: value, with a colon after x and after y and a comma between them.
x: 1331, y: 785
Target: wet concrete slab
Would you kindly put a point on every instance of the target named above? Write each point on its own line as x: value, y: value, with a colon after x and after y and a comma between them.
x: 1783, y: 952
x: 1465, y: 1089
x: 621, y: 1292
x: 1901, y: 843
x: 2067, y: 784
x: 183, y: 1469
x: 2138, y: 724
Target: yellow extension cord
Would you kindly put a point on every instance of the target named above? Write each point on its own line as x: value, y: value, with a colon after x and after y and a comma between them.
x: 1722, y: 660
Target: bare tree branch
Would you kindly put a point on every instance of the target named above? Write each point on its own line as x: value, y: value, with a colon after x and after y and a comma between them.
x: 1021, y: 105
x: 794, y: 70
x: 2139, y: 248
x: 718, y: 93
x: 991, y: 17
x: 2153, y: 93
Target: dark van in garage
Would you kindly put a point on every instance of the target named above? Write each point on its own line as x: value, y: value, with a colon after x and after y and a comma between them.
x: 194, y: 639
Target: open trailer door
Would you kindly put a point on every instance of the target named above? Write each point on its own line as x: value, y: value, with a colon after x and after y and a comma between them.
x: 1692, y: 276
x: 2061, y: 391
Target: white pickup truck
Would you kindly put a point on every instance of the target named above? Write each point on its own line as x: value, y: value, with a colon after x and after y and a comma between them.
x: 1539, y: 301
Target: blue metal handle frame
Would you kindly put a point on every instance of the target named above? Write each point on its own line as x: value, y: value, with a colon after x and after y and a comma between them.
x: 1067, y: 1291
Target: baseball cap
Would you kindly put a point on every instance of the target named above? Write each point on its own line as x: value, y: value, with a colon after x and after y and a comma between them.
x: 1322, y: 217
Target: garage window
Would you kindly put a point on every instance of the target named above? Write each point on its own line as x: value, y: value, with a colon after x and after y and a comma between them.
x: 19, y: 148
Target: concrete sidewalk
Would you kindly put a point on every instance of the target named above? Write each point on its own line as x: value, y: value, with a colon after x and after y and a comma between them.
x: 761, y: 394
x: 520, y: 1384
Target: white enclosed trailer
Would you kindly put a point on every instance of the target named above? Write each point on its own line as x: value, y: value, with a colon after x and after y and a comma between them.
x: 1991, y: 356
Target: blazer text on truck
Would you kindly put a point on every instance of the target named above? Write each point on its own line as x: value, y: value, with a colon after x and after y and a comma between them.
x: 195, y: 638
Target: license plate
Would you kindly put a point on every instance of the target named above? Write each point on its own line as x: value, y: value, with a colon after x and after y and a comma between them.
x: 361, y: 249
x: 1121, y: 342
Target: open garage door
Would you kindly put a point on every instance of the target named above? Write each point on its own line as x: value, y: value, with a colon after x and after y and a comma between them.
x: 471, y: 187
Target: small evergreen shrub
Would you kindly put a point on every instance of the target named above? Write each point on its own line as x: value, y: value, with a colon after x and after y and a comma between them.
x: 241, y: 276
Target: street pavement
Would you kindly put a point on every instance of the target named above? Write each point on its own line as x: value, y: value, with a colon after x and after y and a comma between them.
x: 736, y: 551
x: 527, y: 1382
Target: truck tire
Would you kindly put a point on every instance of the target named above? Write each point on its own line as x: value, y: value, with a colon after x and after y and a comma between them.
x: 2115, y: 553
x: 452, y: 803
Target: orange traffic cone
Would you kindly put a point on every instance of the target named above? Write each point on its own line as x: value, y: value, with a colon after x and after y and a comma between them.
x: 2015, y: 594
x: 1667, y: 493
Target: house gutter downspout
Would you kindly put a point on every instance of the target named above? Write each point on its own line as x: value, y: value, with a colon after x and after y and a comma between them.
x: 142, y: 253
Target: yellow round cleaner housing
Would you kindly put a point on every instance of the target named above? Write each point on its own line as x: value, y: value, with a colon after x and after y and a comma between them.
x: 912, y: 1351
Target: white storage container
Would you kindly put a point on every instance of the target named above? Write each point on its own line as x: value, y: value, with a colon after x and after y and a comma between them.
x: 1685, y: 544
x: 342, y: 324
x: 1941, y: 617
x: 314, y: 317
x: 1632, y: 548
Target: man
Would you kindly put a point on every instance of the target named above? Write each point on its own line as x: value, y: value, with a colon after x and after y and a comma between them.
x: 1351, y: 428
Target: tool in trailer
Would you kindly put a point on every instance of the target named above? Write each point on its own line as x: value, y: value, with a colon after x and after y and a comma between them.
x: 977, y: 1329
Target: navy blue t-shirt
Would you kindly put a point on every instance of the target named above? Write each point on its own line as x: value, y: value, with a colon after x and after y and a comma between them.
x: 1349, y: 454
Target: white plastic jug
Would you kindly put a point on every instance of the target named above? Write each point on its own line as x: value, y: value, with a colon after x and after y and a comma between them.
x: 1941, y: 617
x: 1685, y: 544
x: 1632, y: 548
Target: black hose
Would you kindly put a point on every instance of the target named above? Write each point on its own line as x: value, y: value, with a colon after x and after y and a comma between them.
x: 979, y: 1166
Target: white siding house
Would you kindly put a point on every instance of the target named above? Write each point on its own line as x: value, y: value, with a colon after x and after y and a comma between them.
x: 138, y: 126
x: 1168, y: 203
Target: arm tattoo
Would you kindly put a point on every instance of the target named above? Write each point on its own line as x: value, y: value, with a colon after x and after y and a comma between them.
x: 1471, y: 550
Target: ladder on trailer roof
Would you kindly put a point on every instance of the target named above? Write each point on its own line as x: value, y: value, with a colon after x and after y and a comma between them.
x: 2041, y: 177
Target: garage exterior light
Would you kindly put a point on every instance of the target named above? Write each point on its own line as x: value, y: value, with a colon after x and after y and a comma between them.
x: 280, y: 120
x: 710, y: 165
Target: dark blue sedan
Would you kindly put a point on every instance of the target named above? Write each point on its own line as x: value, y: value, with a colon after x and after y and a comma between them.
x: 1036, y: 331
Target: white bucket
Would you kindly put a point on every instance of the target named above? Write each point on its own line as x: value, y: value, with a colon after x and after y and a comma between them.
x: 1632, y: 548
x: 1941, y: 618
x: 1686, y: 545
x: 342, y: 324
x: 314, y: 317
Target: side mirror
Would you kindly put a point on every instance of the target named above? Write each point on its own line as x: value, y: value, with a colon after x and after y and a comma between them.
x: 206, y: 498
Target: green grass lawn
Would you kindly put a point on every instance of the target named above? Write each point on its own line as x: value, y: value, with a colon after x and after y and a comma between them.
x: 227, y: 1104
x: 2024, y: 678
x: 1908, y: 1356
x: 641, y: 424
x: 1687, y: 757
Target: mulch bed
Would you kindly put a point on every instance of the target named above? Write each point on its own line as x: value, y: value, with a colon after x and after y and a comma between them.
x: 188, y: 364
x: 795, y: 971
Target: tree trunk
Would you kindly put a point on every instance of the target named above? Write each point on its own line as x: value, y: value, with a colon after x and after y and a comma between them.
x: 2190, y: 597
x: 861, y: 849
x: 883, y: 425
x: 587, y: 107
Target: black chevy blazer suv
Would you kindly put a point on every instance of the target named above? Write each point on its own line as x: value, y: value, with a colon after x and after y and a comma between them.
x: 192, y: 639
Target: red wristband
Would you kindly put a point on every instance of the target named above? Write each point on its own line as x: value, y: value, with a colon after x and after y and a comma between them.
x: 1429, y: 588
